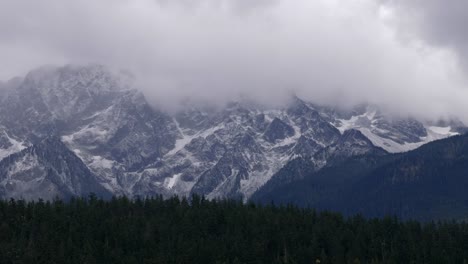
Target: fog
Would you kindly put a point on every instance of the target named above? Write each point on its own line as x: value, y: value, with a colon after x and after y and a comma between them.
x: 402, y: 55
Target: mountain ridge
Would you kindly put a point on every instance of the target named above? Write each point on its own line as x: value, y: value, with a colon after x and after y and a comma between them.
x: 135, y: 149
x: 427, y: 183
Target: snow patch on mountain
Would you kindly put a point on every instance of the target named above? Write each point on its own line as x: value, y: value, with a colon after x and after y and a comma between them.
x: 131, y: 148
x: 290, y: 140
x: 172, y: 181
x: 10, y: 145
x: 100, y: 162
x: 388, y: 144
x: 354, y: 122
x: 442, y: 131
x: 25, y: 163
x: 369, y: 123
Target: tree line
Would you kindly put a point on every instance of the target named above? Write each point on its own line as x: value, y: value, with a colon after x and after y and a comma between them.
x: 197, y: 230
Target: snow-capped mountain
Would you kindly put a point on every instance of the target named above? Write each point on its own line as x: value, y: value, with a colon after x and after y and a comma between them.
x: 112, y: 138
x: 47, y: 169
x: 394, y: 135
x: 8, y: 145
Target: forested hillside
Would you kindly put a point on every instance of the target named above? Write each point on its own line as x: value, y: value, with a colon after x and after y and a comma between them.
x: 428, y: 183
x: 201, y: 231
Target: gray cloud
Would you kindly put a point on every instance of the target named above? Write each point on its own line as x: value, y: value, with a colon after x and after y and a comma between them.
x: 439, y: 22
x: 329, y: 51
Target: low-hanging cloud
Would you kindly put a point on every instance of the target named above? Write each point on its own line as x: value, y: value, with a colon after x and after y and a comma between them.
x: 329, y: 51
x: 441, y: 23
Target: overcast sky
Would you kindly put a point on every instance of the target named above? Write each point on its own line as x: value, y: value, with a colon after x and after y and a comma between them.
x: 408, y: 55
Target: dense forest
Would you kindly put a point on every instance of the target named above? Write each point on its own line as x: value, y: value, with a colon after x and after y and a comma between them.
x: 197, y: 230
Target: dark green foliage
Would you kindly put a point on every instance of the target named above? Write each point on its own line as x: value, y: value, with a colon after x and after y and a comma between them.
x: 201, y: 231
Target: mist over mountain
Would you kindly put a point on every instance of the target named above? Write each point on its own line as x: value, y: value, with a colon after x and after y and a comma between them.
x: 232, y: 99
x: 72, y: 130
x: 233, y: 131
x: 387, y: 53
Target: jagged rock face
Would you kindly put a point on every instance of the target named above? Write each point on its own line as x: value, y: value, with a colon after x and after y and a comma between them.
x: 51, y: 99
x: 129, y: 132
x: 8, y: 145
x: 240, y: 150
x: 351, y: 143
x: 277, y: 130
x: 392, y: 134
x: 295, y: 170
x: 130, y: 148
x: 401, y: 131
x: 47, y: 170
x: 428, y: 183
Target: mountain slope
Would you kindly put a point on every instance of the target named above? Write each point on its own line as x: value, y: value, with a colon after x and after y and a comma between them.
x: 47, y: 170
x: 352, y: 144
x: 430, y: 182
x: 394, y: 134
x: 427, y: 183
x: 133, y: 148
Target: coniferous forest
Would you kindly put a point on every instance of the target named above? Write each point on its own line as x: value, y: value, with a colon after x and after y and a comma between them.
x: 197, y: 230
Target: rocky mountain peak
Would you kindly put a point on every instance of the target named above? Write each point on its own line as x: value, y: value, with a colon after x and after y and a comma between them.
x: 87, y: 120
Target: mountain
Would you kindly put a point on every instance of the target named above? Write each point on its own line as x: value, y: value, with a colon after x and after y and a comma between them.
x: 352, y: 143
x: 427, y: 183
x: 131, y: 147
x: 394, y: 134
x: 47, y: 170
